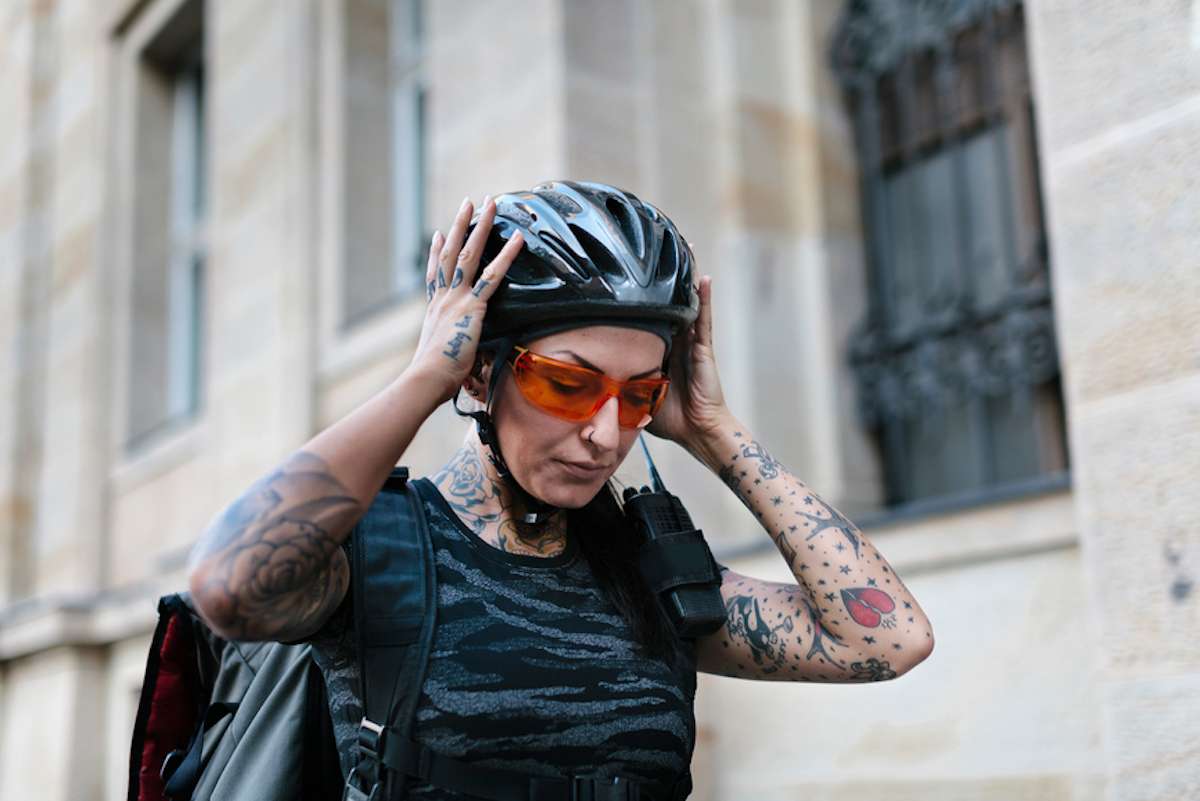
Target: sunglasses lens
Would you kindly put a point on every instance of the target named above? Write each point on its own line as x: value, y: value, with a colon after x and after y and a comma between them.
x: 560, y: 390
x: 640, y: 401
x: 576, y: 393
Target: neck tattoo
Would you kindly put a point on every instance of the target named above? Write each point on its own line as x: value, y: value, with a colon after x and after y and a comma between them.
x: 474, y: 491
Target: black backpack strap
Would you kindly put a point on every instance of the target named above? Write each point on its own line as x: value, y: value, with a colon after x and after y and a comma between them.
x: 394, y: 584
x: 403, y: 755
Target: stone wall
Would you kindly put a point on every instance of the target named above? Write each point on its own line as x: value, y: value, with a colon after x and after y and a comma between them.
x: 1119, y: 92
x: 1063, y: 668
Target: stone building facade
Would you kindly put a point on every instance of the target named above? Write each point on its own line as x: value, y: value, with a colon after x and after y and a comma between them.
x: 209, y: 211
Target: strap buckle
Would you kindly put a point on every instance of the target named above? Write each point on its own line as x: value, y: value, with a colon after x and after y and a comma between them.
x: 363, y: 781
x: 370, y: 737
x: 592, y: 788
x: 353, y: 790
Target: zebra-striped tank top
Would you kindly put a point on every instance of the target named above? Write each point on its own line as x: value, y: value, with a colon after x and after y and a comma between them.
x: 532, y: 670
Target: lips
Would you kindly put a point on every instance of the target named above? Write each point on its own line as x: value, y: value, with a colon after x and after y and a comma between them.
x: 867, y: 605
x: 584, y: 470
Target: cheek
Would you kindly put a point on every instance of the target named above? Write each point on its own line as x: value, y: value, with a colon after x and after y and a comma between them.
x: 528, y: 437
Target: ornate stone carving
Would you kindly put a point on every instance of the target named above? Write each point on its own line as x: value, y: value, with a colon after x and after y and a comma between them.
x: 967, y: 354
x: 874, y: 35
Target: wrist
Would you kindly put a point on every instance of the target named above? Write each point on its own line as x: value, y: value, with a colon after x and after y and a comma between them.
x: 427, y: 390
x: 710, y: 445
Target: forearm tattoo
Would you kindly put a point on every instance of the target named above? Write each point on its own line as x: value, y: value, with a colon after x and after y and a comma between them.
x: 477, y: 499
x: 848, y: 612
x: 268, y: 563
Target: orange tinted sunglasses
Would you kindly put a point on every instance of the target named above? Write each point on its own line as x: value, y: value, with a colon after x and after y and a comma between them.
x: 575, y: 393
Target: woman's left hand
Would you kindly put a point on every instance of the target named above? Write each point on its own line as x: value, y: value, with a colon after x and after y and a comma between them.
x: 694, y: 408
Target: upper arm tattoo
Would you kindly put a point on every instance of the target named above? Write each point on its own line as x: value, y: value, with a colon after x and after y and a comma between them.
x: 271, y: 565
x: 774, y: 631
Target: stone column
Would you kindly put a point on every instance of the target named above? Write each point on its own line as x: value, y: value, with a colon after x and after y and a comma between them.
x: 264, y: 204
x: 68, y: 553
x: 21, y: 312
x: 49, y: 728
x: 784, y: 247
x: 1118, y: 88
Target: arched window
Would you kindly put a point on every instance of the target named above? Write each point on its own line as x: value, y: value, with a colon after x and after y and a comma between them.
x: 955, y: 363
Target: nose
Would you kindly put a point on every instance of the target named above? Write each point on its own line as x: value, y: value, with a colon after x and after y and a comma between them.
x: 606, y: 423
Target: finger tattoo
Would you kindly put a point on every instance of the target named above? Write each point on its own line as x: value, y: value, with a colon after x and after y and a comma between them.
x: 481, y: 285
x: 441, y: 279
x: 457, y: 279
x: 430, y: 289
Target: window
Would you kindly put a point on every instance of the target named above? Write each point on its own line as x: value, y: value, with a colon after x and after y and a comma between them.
x: 385, y: 155
x: 955, y: 364
x: 170, y: 213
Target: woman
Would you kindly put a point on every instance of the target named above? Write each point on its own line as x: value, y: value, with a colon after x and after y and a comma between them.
x: 551, y: 657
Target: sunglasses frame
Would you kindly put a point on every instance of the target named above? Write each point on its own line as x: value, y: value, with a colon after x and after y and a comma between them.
x: 612, y: 387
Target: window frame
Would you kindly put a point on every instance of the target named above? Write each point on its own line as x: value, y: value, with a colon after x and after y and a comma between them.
x: 877, y: 50
x: 346, y: 348
x: 154, y: 44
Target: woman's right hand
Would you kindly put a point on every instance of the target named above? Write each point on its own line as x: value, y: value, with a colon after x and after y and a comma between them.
x: 457, y: 302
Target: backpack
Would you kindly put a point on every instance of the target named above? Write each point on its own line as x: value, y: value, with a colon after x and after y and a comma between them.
x: 235, y: 721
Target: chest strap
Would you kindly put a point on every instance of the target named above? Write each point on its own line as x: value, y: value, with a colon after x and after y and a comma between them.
x: 413, y: 759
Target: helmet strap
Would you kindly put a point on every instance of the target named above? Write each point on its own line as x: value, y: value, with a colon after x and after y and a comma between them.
x: 536, y: 512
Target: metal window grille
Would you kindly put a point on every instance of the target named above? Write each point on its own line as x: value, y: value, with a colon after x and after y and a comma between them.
x: 955, y: 363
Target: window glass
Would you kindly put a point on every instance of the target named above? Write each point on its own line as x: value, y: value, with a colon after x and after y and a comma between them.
x: 169, y: 220
x: 385, y: 122
x: 955, y: 361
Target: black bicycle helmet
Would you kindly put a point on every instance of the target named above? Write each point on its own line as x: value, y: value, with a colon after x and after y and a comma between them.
x: 592, y: 252
x: 593, y: 255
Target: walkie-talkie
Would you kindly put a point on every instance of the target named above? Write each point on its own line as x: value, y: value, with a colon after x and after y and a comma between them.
x: 675, y: 560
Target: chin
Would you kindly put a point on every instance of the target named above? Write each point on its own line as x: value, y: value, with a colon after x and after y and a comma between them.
x: 567, y: 492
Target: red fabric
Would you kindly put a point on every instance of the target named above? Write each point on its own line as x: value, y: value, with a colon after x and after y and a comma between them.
x: 172, y: 709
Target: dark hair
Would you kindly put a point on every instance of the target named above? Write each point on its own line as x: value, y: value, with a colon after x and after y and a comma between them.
x: 610, y: 545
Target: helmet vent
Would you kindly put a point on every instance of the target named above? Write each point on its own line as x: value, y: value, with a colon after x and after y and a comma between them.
x: 600, y: 256
x: 563, y: 257
x: 528, y: 211
x: 627, y: 222
x: 668, y: 255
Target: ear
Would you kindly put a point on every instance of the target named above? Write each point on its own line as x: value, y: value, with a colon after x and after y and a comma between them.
x: 476, y: 383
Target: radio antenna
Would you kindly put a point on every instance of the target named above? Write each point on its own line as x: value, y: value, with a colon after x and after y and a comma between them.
x: 655, y: 478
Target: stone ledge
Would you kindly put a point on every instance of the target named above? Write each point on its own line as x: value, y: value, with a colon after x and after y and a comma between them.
x: 1005, y: 530
x: 393, y: 329
x: 935, y: 543
x: 172, y: 448
x: 39, y: 624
